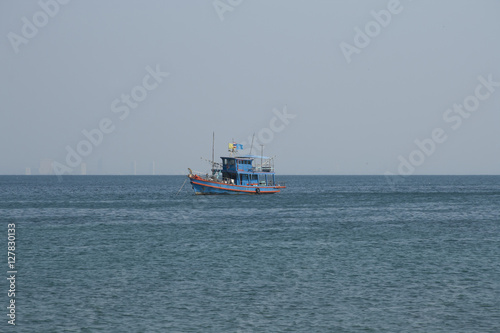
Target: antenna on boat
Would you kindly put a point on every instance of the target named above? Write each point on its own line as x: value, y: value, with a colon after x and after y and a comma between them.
x: 261, y: 154
x: 213, y: 151
x: 251, y: 147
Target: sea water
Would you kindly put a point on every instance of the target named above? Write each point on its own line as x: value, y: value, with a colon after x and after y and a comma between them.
x: 327, y: 254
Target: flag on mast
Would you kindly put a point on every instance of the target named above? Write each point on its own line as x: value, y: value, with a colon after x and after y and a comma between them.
x: 235, y: 146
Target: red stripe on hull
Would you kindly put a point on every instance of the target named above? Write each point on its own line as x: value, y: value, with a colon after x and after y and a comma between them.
x: 236, y: 190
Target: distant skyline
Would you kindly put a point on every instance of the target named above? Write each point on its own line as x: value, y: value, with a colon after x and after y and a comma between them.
x: 329, y: 87
x: 134, y: 168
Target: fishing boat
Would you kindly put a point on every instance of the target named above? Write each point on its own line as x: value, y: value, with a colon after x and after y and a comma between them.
x: 248, y: 174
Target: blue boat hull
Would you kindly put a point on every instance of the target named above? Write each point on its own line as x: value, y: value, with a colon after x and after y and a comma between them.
x: 201, y: 186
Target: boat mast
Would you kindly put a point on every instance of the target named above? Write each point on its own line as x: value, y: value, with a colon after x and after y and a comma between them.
x: 251, y: 147
x: 213, y: 150
x: 261, y: 155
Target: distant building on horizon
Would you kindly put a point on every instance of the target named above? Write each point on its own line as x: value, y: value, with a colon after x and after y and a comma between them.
x: 134, y: 168
x: 153, y: 168
x: 46, y: 167
x: 27, y: 172
x: 83, y: 169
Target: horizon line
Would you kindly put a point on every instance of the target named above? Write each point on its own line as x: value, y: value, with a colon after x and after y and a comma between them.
x: 351, y: 175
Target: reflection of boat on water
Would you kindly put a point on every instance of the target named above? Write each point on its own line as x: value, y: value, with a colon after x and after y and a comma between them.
x: 238, y: 175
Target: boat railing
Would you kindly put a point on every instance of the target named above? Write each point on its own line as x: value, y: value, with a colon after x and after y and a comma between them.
x: 198, y: 173
x: 262, y: 169
x: 204, y: 175
x: 264, y: 166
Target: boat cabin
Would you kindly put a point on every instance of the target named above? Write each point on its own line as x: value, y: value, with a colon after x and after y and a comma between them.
x: 244, y: 171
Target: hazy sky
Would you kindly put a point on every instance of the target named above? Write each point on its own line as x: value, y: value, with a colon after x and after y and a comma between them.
x: 330, y: 87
